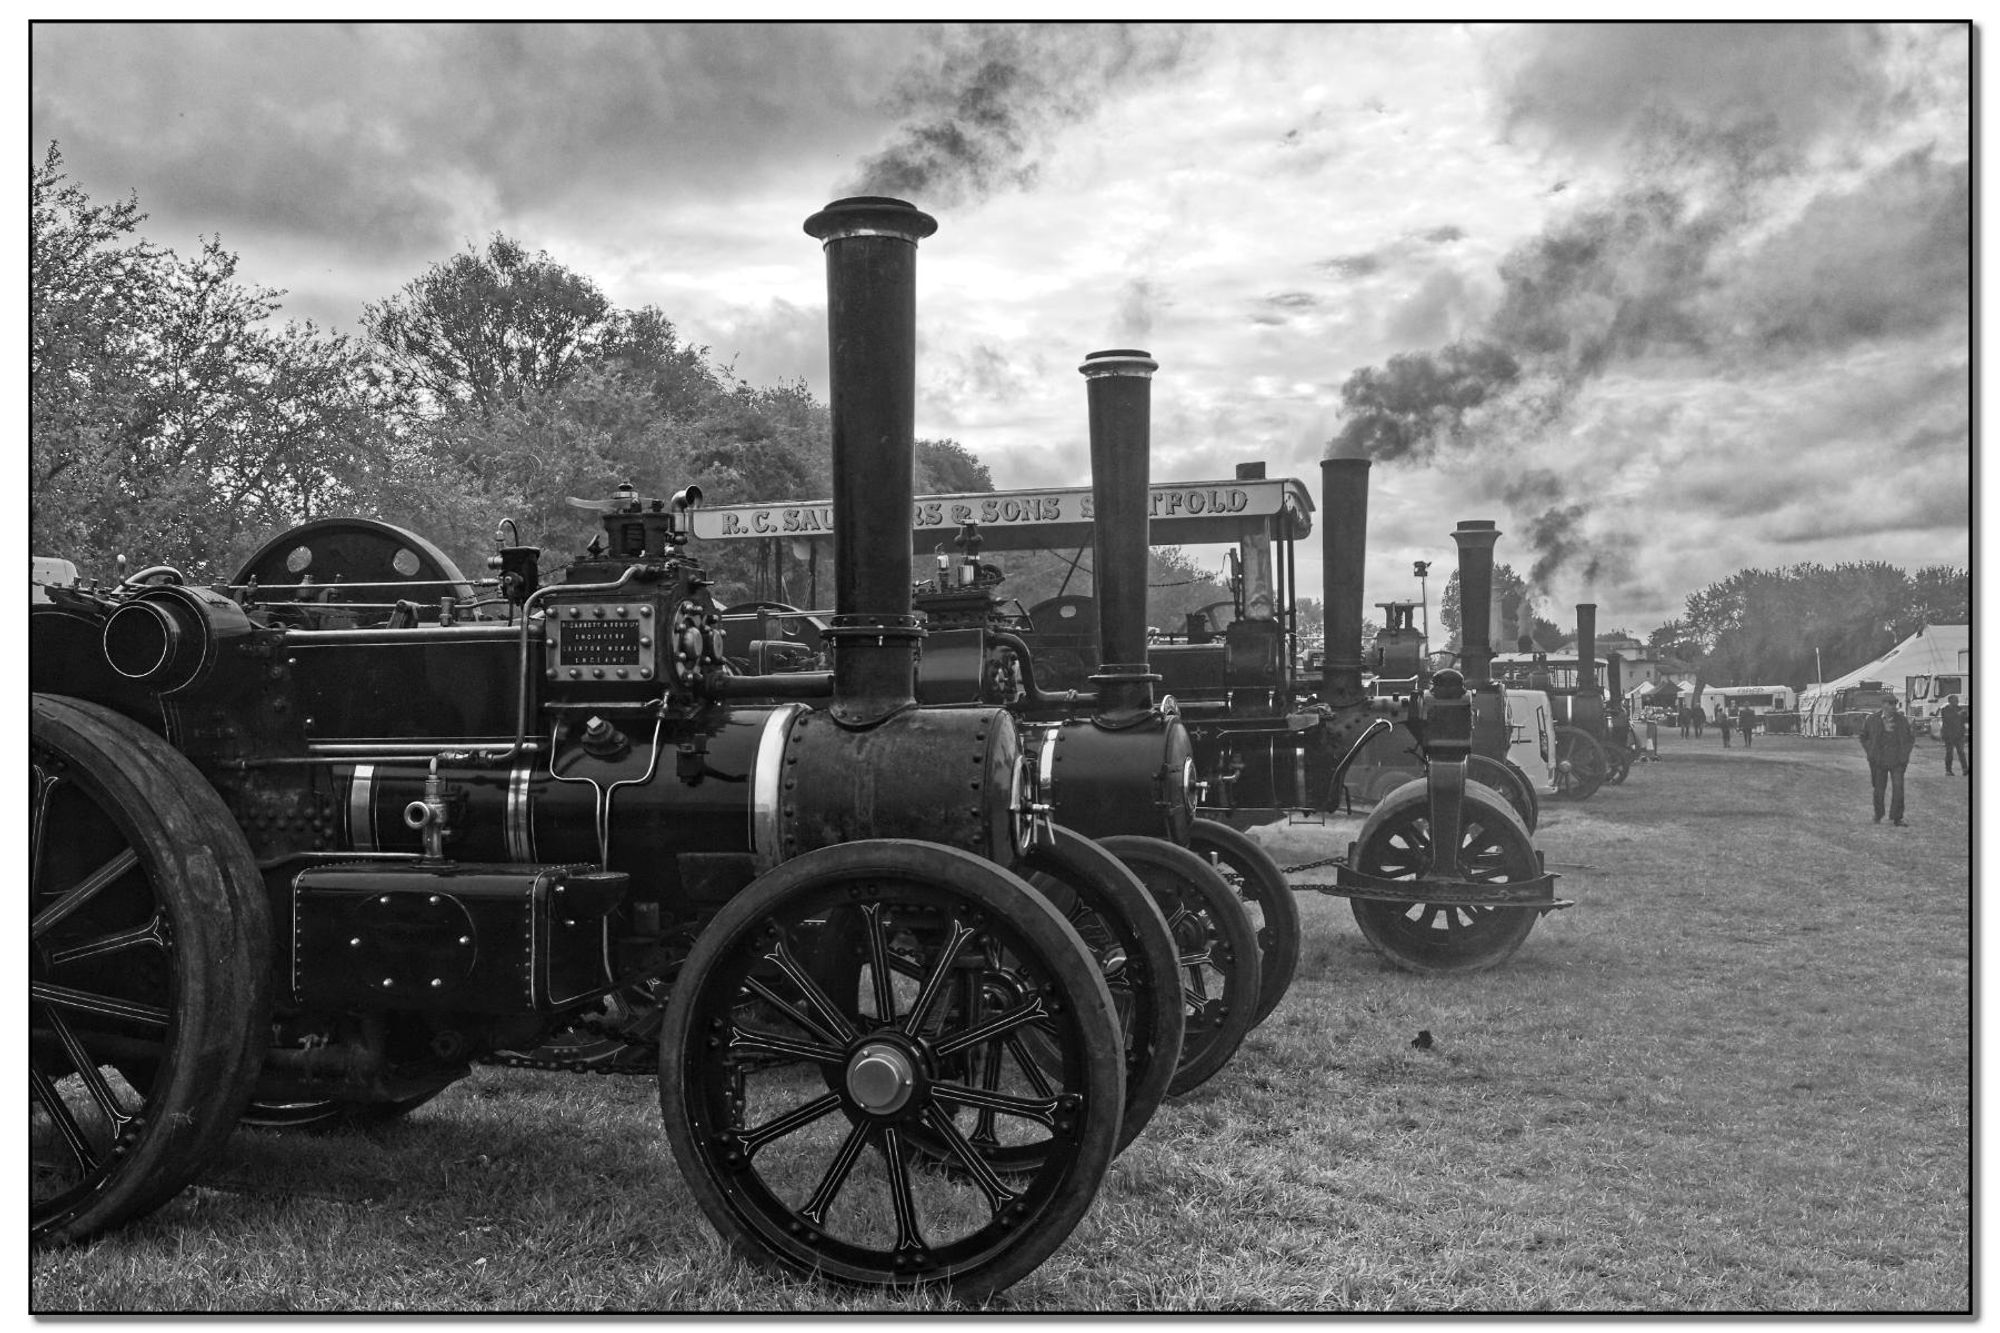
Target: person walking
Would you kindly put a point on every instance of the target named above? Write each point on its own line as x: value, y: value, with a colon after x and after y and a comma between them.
x: 1722, y: 721
x: 1887, y: 738
x: 1746, y: 722
x: 1687, y: 723
x: 1951, y: 729
x: 1700, y: 720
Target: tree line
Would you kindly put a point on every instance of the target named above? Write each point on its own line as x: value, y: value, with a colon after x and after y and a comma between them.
x: 175, y: 422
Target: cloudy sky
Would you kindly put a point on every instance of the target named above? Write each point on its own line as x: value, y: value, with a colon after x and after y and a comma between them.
x: 1730, y: 265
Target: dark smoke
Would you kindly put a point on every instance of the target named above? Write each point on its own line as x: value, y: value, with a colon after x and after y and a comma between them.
x: 997, y: 94
x: 1709, y: 122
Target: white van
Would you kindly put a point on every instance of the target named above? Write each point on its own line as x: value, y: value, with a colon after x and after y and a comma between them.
x: 1532, y: 730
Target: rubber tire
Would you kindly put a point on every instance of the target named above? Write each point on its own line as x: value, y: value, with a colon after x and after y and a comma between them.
x: 1483, y: 937
x: 1057, y: 1198
x: 1260, y: 881
x: 1511, y: 781
x: 1194, y: 896
x: 198, y: 873
x: 1084, y: 881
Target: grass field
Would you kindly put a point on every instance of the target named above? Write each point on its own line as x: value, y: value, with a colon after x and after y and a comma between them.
x: 1735, y: 1077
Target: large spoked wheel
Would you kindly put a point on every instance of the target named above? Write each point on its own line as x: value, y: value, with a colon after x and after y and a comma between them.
x: 1121, y: 925
x: 1265, y: 893
x: 148, y: 962
x: 1219, y: 960
x: 1580, y: 764
x: 1507, y: 777
x: 1395, y: 843
x: 790, y: 1109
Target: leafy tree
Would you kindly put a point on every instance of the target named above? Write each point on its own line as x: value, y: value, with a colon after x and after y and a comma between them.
x: 171, y: 422
x: 485, y: 328
x: 946, y: 467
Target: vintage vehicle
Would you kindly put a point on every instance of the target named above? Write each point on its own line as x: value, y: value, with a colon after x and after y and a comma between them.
x: 1113, y: 762
x: 304, y: 849
x: 1593, y: 724
x: 1264, y: 751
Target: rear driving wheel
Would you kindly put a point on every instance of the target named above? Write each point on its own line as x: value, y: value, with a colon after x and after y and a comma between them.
x: 1580, y: 764
x: 791, y: 1107
x: 1266, y: 895
x: 149, y: 953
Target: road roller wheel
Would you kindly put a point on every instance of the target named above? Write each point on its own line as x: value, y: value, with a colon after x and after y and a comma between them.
x: 1580, y: 764
x: 1265, y: 893
x: 148, y: 966
x: 1508, y: 778
x: 790, y: 1108
x: 1395, y: 843
x: 1219, y: 964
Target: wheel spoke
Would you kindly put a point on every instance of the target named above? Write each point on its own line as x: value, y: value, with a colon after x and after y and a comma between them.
x: 93, y: 1081
x: 1028, y: 1011
x: 795, y: 1119
x: 878, y: 963
x: 104, y: 1006
x: 941, y: 972
x: 839, y: 1029
x: 1041, y: 1110
x: 745, y: 1040
x: 72, y: 1133
x: 92, y: 885
x: 792, y: 1015
x: 909, y: 1240
x: 154, y: 932
x: 837, y: 1172
x: 997, y: 1194
x: 45, y: 784
x: 1030, y: 1067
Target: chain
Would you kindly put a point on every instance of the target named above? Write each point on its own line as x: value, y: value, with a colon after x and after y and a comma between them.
x: 1334, y: 860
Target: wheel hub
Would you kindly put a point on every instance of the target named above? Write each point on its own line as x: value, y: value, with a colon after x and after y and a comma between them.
x: 881, y: 1078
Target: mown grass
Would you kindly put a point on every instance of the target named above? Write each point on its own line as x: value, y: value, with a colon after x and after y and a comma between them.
x: 1734, y: 1078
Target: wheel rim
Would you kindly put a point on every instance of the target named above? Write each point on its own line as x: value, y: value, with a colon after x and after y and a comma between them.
x: 1433, y: 936
x: 806, y: 1104
x: 100, y: 976
x: 1580, y: 764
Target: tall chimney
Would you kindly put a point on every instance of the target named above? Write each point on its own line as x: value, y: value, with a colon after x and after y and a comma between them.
x: 1344, y: 553
x: 1120, y: 385
x: 1586, y: 648
x: 871, y: 317
x: 1475, y: 538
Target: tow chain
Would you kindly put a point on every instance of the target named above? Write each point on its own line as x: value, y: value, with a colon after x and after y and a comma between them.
x: 1289, y: 871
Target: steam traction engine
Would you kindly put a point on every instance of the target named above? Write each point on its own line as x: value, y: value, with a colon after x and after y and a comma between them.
x: 314, y: 871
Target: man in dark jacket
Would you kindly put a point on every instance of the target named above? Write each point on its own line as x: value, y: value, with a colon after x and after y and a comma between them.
x: 1746, y: 722
x: 1722, y: 724
x: 1887, y: 738
x: 1951, y: 729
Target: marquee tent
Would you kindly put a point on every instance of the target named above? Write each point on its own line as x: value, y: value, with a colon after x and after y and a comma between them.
x: 1932, y: 650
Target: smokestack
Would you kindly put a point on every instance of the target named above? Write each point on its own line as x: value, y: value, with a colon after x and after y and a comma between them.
x: 1120, y: 386
x: 1475, y: 538
x: 1344, y: 552
x: 871, y: 318
x: 1586, y: 647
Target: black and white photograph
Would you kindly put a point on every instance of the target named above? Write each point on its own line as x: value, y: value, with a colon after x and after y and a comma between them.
x: 790, y: 668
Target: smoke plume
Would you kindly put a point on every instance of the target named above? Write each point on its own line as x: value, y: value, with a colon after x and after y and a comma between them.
x: 990, y: 97
x: 1705, y: 254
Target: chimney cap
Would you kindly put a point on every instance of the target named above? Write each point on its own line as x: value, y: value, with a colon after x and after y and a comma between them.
x: 870, y: 215
x: 1250, y: 471
x: 1118, y: 361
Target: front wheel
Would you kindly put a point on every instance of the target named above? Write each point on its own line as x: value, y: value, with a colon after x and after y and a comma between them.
x: 1580, y: 764
x: 1511, y: 781
x: 794, y: 1110
x: 1266, y: 895
x: 148, y: 957
x: 1220, y: 967
x: 1432, y: 938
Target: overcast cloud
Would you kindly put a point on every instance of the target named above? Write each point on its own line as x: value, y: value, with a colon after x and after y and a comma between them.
x: 1734, y: 262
